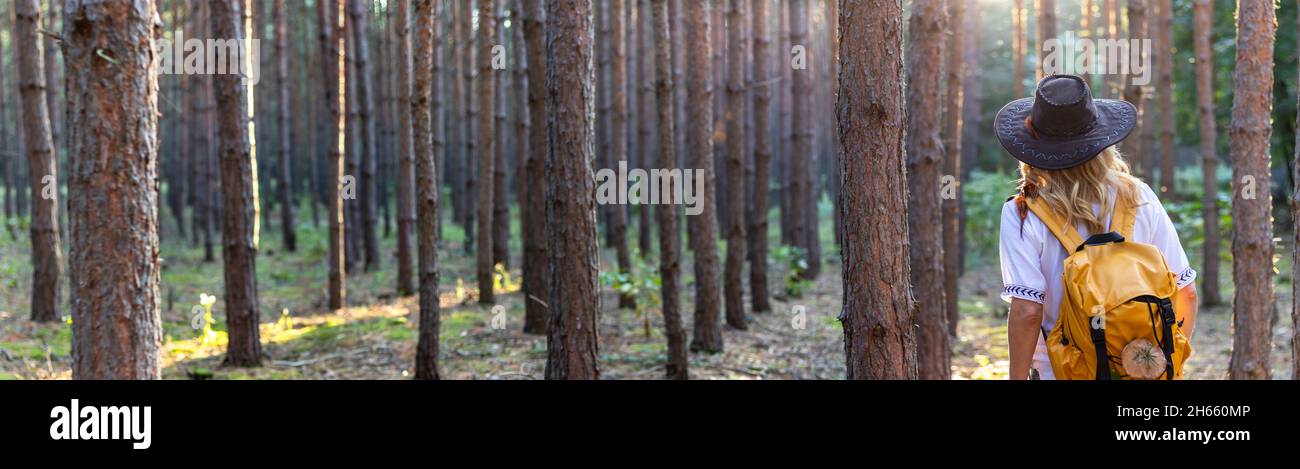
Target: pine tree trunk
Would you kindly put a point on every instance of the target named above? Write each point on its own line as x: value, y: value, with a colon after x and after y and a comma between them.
x: 618, y: 138
x: 537, y: 261
x: 877, y: 315
x: 335, y: 73
x: 572, y: 342
x: 646, y: 145
x: 367, y: 208
x: 1137, y: 28
x: 1252, y: 226
x: 1164, y: 62
x: 677, y: 366
x: 951, y: 199
x: 699, y: 157
x: 1295, y: 252
x: 734, y: 290
x: 238, y: 162
x: 1203, y: 38
x: 804, y: 233
x: 283, y: 126
x: 760, y: 298
x: 1018, y: 18
x: 406, y: 157
x: 1046, y: 10
x: 42, y: 163
x: 487, y: 37
x: 425, y: 120
x: 500, y: 191
x: 115, y: 297
x: 924, y: 166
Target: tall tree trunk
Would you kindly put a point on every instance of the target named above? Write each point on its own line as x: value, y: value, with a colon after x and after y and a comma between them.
x: 951, y: 181
x: 1164, y: 62
x: 760, y: 298
x: 1137, y: 28
x: 469, y: 71
x: 283, y: 126
x: 537, y: 280
x: 116, y: 328
x: 924, y: 164
x: 1046, y: 10
x: 1252, y: 225
x: 804, y: 223
x: 877, y: 315
x: 52, y: 90
x: 1295, y: 252
x: 406, y: 157
x: 5, y: 180
x: 335, y: 73
x: 972, y: 122
x: 500, y: 191
x: 572, y: 341
x: 367, y: 209
x: 42, y: 163
x: 735, y: 267
x: 487, y: 37
x: 646, y: 117
x: 426, y: 120
x: 238, y: 161
x: 699, y: 157
x: 677, y: 366
x: 1203, y: 38
x: 618, y: 139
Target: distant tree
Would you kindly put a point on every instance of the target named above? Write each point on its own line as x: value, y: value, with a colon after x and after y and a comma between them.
x: 760, y: 298
x: 1137, y: 28
x: 1164, y: 62
x: 537, y: 261
x: 801, y: 158
x: 425, y: 120
x: 1252, y: 225
x: 1046, y: 10
x: 334, y: 70
x: 952, y: 144
x: 1203, y: 38
x: 734, y: 290
x: 285, y: 161
x: 42, y: 163
x: 677, y: 366
x: 1295, y: 253
x: 368, y: 209
x: 112, y: 197
x: 703, y: 228
x: 406, y: 216
x: 877, y: 315
x: 1018, y: 18
x: 500, y: 163
x: 572, y: 342
x: 924, y: 166
x: 487, y: 37
x: 618, y: 137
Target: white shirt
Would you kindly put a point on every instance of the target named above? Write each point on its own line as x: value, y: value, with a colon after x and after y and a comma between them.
x: 1033, y: 261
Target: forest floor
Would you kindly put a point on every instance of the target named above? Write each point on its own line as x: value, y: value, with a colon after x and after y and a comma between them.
x: 375, y: 337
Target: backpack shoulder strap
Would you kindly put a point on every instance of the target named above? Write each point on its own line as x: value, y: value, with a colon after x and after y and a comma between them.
x: 1068, y: 236
x: 1124, y: 217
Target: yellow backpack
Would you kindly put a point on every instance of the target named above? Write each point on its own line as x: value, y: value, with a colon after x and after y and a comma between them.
x: 1117, y: 305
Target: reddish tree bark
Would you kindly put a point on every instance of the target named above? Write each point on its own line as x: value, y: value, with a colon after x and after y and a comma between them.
x: 677, y: 366
x: 537, y: 281
x: 42, y: 162
x: 735, y: 265
x: 760, y: 298
x: 487, y: 37
x: 703, y: 227
x: 426, y: 120
x: 1202, y: 37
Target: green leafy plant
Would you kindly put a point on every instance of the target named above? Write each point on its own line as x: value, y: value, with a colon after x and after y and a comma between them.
x: 643, y: 284
x: 795, y: 263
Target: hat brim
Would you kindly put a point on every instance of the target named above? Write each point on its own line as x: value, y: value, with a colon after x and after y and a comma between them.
x: 1115, y: 121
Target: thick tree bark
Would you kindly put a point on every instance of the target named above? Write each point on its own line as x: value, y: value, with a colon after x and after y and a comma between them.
x: 42, y: 163
x: 368, y: 208
x: 406, y: 156
x: 426, y: 120
x: 537, y: 281
x: 877, y: 316
x: 285, y: 173
x: 618, y: 137
x: 924, y: 166
x: 951, y: 181
x: 804, y: 203
x: 1164, y: 62
x: 1252, y: 225
x: 335, y: 73
x: 113, y: 104
x: 487, y: 37
x: 1137, y: 28
x: 238, y: 162
x: 703, y: 227
x: 572, y: 342
x: 677, y: 366
x: 1203, y: 38
x: 735, y: 266
x: 760, y: 298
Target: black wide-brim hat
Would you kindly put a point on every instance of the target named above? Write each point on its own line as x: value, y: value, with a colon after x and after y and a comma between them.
x: 1062, y: 126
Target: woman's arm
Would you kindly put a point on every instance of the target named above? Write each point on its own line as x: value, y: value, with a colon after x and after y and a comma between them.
x: 1185, y: 305
x: 1024, y: 324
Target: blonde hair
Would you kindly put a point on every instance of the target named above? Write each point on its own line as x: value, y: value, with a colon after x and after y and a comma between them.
x: 1072, y: 192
